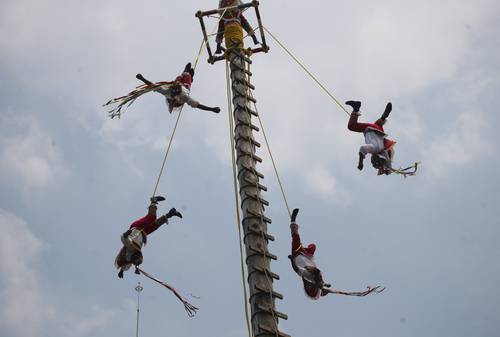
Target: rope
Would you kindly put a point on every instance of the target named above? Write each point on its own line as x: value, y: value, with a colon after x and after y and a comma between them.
x: 307, y: 71
x: 190, y: 309
x: 167, y: 152
x: 200, y: 51
x: 236, y: 199
x: 269, y: 148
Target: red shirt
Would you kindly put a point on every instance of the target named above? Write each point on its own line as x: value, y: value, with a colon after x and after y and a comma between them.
x: 355, y: 126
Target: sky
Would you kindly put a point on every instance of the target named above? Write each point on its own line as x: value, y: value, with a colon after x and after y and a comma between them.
x: 72, y: 180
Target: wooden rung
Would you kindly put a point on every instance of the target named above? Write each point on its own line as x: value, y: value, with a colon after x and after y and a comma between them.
x: 257, y: 198
x: 253, y: 170
x: 246, y: 169
x: 248, y: 139
x: 262, y: 253
x: 256, y: 184
x: 266, y: 271
x: 247, y: 109
x: 251, y: 99
x: 245, y: 70
x: 259, y: 233
x: 249, y: 154
x: 241, y: 123
x: 272, y: 311
x: 266, y: 331
x: 267, y: 291
x: 239, y: 54
x: 245, y: 82
x: 255, y: 214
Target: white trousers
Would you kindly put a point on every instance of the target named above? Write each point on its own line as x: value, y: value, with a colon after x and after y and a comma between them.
x: 374, y: 143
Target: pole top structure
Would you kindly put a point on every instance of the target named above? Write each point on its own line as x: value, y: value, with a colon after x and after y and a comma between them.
x: 202, y: 14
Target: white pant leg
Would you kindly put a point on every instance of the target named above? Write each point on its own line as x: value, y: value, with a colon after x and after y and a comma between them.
x: 368, y: 148
x: 374, y: 143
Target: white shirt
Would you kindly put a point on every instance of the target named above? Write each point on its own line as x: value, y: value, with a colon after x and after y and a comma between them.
x: 181, y: 98
x: 301, y: 262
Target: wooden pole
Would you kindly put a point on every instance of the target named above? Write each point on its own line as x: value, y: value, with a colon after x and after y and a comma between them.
x: 260, y: 278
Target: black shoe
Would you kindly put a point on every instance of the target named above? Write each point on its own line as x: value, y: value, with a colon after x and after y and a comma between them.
x: 120, y: 273
x: 354, y: 104
x: 216, y: 110
x: 157, y: 199
x: 254, y: 38
x: 187, y: 68
x: 360, y: 162
x: 294, y: 215
x: 387, y: 111
x: 137, y: 271
x: 173, y: 212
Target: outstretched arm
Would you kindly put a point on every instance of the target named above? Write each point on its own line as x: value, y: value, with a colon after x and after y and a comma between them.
x: 207, y: 108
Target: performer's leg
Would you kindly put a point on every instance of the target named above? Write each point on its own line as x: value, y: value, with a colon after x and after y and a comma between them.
x: 246, y: 26
x: 363, y: 151
x: 219, y: 37
x: 368, y: 148
x: 360, y: 161
x: 140, y: 77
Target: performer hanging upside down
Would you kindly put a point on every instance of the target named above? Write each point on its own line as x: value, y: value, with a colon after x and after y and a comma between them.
x: 303, y: 264
x: 232, y: 15
x: 177, y: 93
x: 136, y: 236
x: 380, y: 147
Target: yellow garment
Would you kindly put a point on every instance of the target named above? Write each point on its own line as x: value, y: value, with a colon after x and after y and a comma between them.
x: 233, y: 34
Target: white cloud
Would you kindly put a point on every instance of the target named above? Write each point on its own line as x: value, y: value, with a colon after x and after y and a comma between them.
x: 24, y: 310
x: 464, y: 143
x: 27, y: 309
x: 322, y: 181
x: 30, y: 157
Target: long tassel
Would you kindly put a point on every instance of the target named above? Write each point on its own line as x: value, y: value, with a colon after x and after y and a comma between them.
x: 404, y: 171
x: 190, y: 309
x: 376, y: 290
x: 130, y: 98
